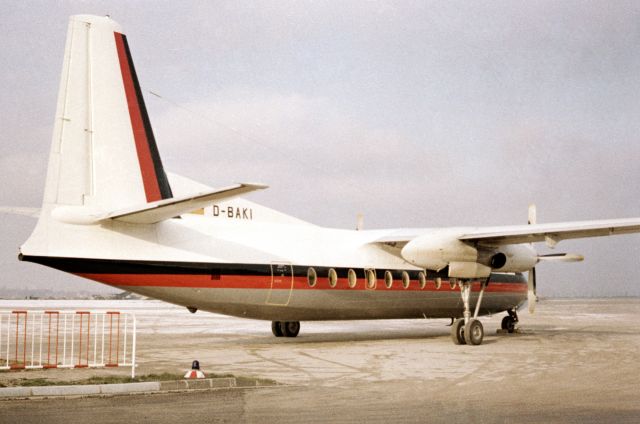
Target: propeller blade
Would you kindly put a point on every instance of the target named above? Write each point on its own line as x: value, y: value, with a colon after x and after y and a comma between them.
x: 531, y: 290
x: 561, y: 257
x: 531, y: 278
x: 532, y: 214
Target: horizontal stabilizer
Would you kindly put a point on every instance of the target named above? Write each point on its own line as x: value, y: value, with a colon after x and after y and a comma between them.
x: 151, y: 213
x: 16, y: 210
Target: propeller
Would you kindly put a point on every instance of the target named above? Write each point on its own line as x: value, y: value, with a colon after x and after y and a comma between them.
x: 532, y: 296
x: 532, y: 214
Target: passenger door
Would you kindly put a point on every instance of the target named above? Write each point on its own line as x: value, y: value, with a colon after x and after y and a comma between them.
x: 281, y: 284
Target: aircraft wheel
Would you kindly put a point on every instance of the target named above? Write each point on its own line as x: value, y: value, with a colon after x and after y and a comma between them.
x: 508, y: 324
x: 290, y: 328
x: 276, y: 328
x: 473, y: 332
x: 457, y: 332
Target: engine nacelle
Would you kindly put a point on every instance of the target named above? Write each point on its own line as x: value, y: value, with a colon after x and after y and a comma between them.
x: 436, y: 250
x: 440, y: 249
x: 513, y: 258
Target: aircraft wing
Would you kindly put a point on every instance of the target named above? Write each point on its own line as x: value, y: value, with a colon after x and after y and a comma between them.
x: 551, y: 233
x: 151, y: 213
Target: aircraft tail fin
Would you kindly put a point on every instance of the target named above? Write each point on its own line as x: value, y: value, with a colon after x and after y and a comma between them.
x: 103, y: 154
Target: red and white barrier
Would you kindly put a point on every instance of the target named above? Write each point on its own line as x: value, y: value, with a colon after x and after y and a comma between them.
x: 67, y: 339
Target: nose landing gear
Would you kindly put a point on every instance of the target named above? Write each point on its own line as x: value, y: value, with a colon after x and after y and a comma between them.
x: 509, y: 322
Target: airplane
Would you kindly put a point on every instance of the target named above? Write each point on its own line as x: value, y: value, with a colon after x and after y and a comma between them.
x: 111, y: 213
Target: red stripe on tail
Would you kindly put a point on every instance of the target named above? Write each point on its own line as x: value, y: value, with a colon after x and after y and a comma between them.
x: 149, y: 177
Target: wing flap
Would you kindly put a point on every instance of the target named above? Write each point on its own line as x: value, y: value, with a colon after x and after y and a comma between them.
x: 151, y: 213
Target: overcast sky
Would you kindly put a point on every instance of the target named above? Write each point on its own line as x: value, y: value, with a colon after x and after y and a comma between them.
x: 412, y: 113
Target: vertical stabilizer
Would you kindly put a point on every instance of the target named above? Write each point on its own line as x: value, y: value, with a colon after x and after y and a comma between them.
x: 103, y: 155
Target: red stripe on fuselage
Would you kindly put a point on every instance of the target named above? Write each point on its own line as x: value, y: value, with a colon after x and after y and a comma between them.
x: 264, y: 282
x: 149, y: 177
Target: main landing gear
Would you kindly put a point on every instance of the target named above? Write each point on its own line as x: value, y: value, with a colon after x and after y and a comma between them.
x: 285, y: 328
x: 468, y: 330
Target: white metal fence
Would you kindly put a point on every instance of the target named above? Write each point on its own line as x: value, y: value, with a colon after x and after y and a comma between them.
x: 67, y: 339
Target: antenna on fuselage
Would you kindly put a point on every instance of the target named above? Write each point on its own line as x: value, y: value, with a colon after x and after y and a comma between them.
x: 359, y: 222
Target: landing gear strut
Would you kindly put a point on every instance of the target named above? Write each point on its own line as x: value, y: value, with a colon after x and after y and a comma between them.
x: 285, y: 328
x: 468, y: 330
x: 509, y: 322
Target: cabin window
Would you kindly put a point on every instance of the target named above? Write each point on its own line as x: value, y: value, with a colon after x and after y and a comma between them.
x: 438, y: 283
x: 352, y: 278
x: 333, y: 277
x: 312, y: 277
x: 422, y: 278
x: 371, y: 279
x: 405, y: 279
x: 388, y: 279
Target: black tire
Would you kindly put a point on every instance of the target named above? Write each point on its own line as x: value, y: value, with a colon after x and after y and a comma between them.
x: 473, y: 332
x: 457, y: 332
x: 508, y: 324
x: 290, y: 328
x: 276, y: 328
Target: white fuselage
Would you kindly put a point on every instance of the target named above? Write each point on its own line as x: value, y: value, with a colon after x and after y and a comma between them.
x: 260, y: 269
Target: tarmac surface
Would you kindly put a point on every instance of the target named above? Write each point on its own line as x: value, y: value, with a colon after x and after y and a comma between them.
x: 574, y: 361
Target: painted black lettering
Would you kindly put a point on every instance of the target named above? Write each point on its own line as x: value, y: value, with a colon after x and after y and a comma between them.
x: 230, y: 211
x: 244, y: 213
x: 216, y: 210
